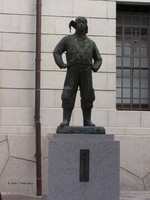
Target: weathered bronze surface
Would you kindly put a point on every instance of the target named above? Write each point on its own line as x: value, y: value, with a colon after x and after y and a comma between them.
x: 83, y: 57
x: 80, y: 130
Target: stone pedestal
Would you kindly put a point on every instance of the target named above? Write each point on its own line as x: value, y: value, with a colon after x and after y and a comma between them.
x: 83, y: 167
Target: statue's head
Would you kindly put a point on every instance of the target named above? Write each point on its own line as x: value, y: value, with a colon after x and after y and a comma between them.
x: 80, y: 24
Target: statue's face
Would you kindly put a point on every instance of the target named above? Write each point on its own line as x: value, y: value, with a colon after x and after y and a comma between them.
x: 81, y: 24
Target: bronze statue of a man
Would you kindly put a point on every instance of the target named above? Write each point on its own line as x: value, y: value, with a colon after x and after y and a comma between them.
x: 82, y: 57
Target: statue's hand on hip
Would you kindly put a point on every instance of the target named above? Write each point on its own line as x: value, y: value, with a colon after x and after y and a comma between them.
x: 66, y: 66
x: 94, y: 69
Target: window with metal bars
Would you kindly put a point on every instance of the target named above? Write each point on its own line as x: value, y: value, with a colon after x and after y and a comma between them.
x: 133, y: 57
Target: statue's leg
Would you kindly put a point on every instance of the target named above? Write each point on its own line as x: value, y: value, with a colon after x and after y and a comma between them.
x: 87, y: 96
x: 69, y: 94
x: 87, y: 117
x: 66, y: 116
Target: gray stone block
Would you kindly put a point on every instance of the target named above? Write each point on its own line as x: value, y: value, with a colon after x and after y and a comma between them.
x: 93, y: 137
x: 64, y: 168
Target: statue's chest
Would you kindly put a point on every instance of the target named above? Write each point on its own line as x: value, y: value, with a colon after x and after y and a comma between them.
x: 80, y: 45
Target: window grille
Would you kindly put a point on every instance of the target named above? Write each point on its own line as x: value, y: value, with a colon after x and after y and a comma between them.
x: 133, y: 57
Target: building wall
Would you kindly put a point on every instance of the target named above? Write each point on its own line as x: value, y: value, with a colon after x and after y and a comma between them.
x: 17, y: 82
x: 17, y: 65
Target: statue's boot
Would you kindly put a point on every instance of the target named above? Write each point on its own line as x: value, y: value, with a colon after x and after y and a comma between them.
x: 66, y: 117
x: 87, y: 117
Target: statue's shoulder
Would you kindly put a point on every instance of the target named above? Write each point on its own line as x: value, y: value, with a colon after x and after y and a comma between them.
x: 68, y: 37
x: 90, y: 40
x: 93, y: 44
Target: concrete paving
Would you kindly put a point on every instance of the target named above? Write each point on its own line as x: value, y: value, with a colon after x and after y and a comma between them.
x: 22, y: 197
x: 123, y: 196
x: 135, y: 196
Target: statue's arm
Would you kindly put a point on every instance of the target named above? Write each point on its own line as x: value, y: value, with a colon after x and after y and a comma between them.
x: 57, y: 53
x: 97, y: 58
